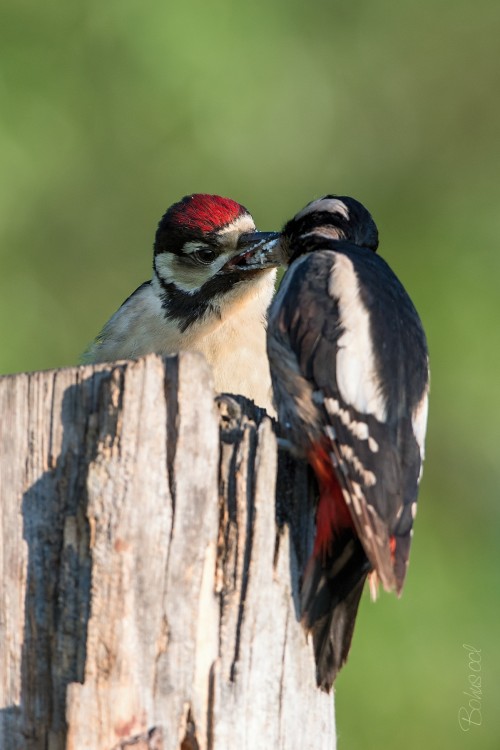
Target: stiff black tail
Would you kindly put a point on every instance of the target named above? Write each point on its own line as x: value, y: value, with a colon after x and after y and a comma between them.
x: 331, y: 590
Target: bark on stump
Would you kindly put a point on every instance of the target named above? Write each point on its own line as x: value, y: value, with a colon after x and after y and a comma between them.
x: 149, y: 568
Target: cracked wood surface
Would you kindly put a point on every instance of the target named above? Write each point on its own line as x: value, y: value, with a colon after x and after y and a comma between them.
x: 149, y: 568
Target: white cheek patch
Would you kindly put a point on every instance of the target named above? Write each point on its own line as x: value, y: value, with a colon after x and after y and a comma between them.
x: 188, y: 278
x: 332, y: 205
x: 357, y: 376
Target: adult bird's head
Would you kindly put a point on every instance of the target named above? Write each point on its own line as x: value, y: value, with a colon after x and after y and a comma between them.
x: 333, y: 217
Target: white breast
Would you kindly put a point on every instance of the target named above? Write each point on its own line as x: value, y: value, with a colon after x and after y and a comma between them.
x: 233, y: 344
x: 236, y: 349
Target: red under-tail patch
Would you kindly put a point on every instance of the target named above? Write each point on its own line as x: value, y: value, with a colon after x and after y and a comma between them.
x: 332, y: 514
x: 206, y: 212
x: 392, y: 548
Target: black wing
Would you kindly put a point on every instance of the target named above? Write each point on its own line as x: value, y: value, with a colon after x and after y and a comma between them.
x: 358, y: 341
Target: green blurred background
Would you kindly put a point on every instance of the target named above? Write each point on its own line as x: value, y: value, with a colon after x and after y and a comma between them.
x: 112, y: 111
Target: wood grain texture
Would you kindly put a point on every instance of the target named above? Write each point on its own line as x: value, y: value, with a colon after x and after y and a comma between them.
x: 150, y: 567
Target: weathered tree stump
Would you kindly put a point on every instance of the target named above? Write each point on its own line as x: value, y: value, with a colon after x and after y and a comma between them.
x: 149, y: 569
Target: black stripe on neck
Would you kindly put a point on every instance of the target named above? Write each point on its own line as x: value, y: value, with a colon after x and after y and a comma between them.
x: 186, y: 308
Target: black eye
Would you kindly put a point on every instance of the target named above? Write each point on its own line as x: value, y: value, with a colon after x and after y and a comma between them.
x: 205, y: 255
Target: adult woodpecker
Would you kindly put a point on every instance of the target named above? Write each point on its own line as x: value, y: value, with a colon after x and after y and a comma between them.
x: 200, y: 298
x: 349, y: 368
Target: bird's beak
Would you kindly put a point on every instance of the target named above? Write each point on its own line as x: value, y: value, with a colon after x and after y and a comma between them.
x: 257, y: 250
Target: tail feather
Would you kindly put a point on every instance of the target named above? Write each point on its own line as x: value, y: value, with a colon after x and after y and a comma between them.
x: 330, y: 596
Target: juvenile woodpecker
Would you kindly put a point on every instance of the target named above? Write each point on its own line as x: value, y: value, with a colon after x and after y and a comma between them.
x: 200, y: 298
x: 349, y: 368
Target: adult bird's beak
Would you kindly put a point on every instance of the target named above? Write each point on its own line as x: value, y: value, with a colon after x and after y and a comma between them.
x: 256, y: 250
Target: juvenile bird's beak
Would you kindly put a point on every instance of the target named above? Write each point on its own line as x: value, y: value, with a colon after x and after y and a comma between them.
x: 257, y: 250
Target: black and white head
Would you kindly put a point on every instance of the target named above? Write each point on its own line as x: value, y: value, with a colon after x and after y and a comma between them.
x: 197, y: 252
x: 336, y: 217
x: 333, y: 217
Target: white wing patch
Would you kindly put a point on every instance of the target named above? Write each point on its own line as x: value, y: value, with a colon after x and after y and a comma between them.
x: 357, y: 377
x: 419, y: 423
